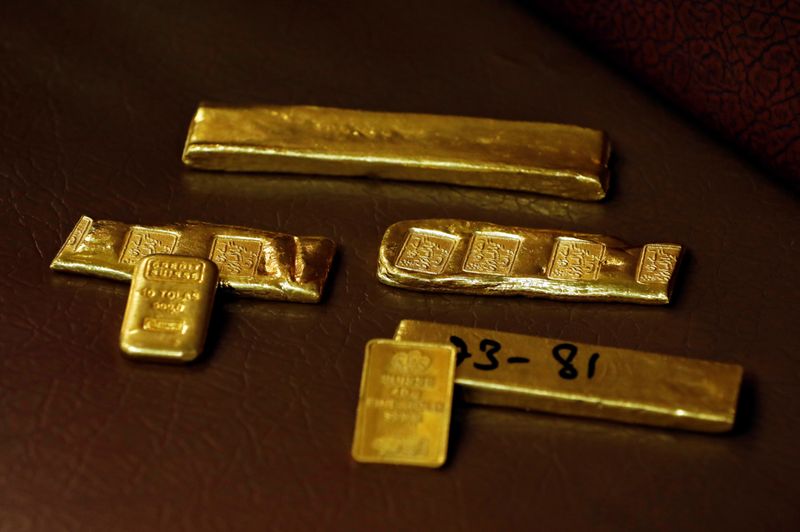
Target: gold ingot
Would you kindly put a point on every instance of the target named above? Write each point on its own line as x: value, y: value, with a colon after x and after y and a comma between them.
x: 251, y: 262
x: 404, y: 404
x: 554, y: 159
x: 169, y: 307
x: 577, y: 379
x: 487, y: 259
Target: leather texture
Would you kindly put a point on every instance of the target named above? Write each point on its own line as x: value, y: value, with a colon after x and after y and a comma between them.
x: 95, y: 100
x: 735, y: 64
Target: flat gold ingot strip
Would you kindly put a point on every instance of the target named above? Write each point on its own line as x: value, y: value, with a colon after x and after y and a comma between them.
x: 576, y: 379
x: 251, y: 262
x: 404, y: 404
x: 169, y: 307
x: 487, y: 259
x: 555, y: 159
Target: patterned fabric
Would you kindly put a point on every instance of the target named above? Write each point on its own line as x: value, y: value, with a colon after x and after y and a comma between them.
x: 733, y: 63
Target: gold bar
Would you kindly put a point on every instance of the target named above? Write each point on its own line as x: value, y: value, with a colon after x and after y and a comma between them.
x: 251, y: 262
x: 555, y: 159
x: 577, y: 379
x: 404, y: 404
x: 486, y: 259
x: 169, y: 307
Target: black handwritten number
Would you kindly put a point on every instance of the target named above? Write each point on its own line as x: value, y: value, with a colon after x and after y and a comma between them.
x: 489, y: 348
x: 567, y: 370
x: 461, y: 345
x: 592, y: 364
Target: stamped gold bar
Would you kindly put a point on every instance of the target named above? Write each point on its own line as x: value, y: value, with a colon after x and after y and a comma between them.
x: 577, y: 379
x: 554, y: 159
x: 251, y: 262
x: 442, y: 255
x: 404, y: 404
x: 169, y: 306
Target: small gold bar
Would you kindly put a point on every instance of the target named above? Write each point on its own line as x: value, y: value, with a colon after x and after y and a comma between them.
x: 169, y: 307
x: 251, y: 262
x: 554, y: 159
x: 404, y: 404
x: 577, y: 379
x: 481, y: 258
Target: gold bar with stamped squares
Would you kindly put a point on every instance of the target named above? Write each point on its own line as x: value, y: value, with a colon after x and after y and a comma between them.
x: 251, y: 262
x: 404, y: 403
x: 579, y: 379
x: 458, y: 256
x: 553, y: 159
x: 169, y: 307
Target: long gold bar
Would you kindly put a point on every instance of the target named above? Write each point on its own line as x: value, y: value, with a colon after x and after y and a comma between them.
x: 442, y: 255
x: 577, y: 379
x: 555, y: 159
x: 251, y: 262
x: 404, y: 403
x: 169, y: 307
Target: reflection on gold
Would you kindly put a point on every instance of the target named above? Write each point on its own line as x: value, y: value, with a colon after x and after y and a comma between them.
x: 338, y: 191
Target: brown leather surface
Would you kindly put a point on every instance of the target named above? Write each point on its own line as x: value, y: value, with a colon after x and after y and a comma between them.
x: 735, y: 64
x: 95, y: 98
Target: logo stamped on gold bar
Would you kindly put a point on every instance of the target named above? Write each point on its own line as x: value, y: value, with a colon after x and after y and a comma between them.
x: 168, y: 325
x: 174, y: 269
x: 143, y: 242
x: 236, y: 256
x: 426, y: 251
x: 404, y: 406
x: 491, y: 253
x: 574, y: 259
x: 656, y: 263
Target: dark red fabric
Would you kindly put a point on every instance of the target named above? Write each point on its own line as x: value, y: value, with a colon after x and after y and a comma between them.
x: 733, y: 63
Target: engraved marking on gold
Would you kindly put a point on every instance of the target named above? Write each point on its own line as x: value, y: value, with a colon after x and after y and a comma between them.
x: 656, y: 263
x: 236, y: 256
x: 168, y: 325
x: 574, y: 259
x: 177, y: 270
x: 142, y: 242
x: 578, y: 379
x: 425, y: 251
x: 78, y: 232
x: 169, y: 306
x: 492, y: 253
x: 404, y: 404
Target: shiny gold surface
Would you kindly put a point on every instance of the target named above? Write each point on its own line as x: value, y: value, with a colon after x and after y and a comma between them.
x: 554, y: 159
x: 404, y: 404
x: 169, y: 307
x: 481, y: 258
x: 572, y: 378
x: 251, y: 262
